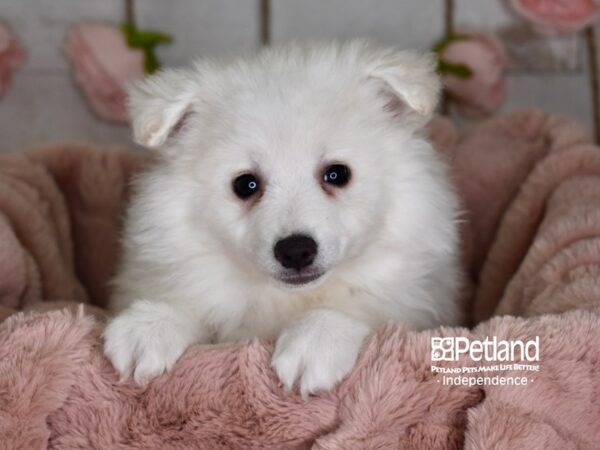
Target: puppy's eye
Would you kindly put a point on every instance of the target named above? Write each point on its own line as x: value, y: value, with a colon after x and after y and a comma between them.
x: 246, y: 185
x: 337, y: 175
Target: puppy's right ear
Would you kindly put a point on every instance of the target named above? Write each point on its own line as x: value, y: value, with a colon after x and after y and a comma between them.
x: 411, y: 79
x: 158, y: 105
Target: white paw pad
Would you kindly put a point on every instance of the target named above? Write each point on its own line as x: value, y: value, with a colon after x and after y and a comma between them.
x: 146, y: 340
x: 318, y: 351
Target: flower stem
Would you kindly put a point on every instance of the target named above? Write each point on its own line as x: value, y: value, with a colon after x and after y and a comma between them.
x: 265, y: 22
x: 448, y: 31
x: 590, y: 37
x: 130, y: 13
x: 449, y: 17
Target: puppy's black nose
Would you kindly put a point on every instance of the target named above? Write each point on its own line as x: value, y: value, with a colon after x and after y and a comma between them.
x: 296, y: 251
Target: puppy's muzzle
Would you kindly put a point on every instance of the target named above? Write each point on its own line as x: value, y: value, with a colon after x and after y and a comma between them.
x: 296, y: 252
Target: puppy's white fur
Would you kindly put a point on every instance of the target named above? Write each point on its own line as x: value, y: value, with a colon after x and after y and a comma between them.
x: 198, y: 263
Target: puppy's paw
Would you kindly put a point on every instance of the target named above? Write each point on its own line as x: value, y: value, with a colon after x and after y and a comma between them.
x: 147, y: 339
x: 318, y: 350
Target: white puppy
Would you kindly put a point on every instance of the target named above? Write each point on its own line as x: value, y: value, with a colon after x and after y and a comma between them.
x: 292, y: 196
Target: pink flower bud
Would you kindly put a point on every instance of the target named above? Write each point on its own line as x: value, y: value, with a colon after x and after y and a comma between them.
x: 11, y: 56
x: 482, y: 91
x: 103, y: 64
x: 557, y: 16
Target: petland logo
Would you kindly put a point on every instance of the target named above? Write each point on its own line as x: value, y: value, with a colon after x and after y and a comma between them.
x: 488, y: 350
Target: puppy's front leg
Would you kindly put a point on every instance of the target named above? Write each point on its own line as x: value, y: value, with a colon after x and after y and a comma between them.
x: 148, y: 338
x: 318, y: 349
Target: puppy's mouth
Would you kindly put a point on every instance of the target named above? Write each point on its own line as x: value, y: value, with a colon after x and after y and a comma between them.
x: 300, y: 279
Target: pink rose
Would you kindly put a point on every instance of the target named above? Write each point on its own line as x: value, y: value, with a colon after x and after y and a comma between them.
x: 103, y: 64
x: 11, y: 55
x: 557, y: 16
x: 482, y: 91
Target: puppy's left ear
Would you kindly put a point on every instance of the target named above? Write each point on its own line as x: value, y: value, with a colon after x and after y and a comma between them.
x: 411, y: 80
x: 158, y: 105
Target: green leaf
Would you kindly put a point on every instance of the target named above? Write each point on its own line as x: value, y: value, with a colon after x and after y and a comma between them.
x: 151, y: 63
x: 457, y: 69
x: 146, y: 40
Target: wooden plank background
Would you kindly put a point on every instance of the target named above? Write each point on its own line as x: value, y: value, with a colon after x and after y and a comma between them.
x: 44, y: 106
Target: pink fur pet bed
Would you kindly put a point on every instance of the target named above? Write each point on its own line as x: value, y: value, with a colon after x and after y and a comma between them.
x: 530, y: 185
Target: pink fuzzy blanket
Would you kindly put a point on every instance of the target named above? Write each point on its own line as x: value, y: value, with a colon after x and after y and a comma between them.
x: 530, y: 184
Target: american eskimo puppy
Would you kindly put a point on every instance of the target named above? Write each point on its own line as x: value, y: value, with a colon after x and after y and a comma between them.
x: 294, y: 196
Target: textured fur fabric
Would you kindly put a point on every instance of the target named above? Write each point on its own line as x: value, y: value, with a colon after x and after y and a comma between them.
x: 60, y: 208
x: 530, y: 184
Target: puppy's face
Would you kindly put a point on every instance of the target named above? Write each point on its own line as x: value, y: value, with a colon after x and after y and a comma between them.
x: 297, y: 183
x: 290, y: 159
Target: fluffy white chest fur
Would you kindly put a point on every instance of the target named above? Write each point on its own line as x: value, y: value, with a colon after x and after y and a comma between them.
x: 292, y: 196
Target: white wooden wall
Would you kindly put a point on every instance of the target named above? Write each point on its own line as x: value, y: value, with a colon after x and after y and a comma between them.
x: 44, y: 106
